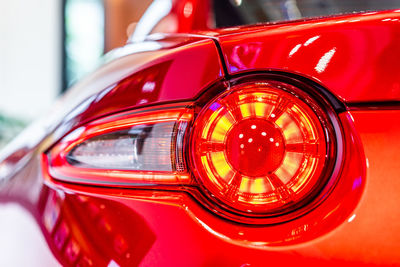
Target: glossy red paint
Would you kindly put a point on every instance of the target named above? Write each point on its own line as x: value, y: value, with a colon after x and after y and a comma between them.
x: 355, y: 223
x: 137, y: 75
x: 98, y: 225
x: 354, y: 56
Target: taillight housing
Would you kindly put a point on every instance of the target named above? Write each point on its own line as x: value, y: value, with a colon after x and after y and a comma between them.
x: 128, y: 149
x: 259, y: 149
x: 262, y: 148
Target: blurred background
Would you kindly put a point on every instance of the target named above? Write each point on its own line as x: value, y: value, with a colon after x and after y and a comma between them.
x: 47, y: 45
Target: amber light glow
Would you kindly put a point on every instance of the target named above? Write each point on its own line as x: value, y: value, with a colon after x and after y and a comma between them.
x: 259, y: 148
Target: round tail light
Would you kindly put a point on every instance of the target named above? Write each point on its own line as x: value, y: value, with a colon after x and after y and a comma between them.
x: 262, y: 148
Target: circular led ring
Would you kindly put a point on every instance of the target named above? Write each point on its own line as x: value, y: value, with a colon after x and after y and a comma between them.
x: 260, y: 148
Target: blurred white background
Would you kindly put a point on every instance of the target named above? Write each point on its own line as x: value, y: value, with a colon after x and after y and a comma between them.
x: 30, y: 71
x: 48, y: 45
x: 30, y: 56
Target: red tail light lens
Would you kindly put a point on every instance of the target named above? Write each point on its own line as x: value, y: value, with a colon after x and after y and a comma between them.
x: 260, y: 147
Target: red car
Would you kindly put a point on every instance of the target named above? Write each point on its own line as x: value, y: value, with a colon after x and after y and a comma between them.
x: 265, y: 145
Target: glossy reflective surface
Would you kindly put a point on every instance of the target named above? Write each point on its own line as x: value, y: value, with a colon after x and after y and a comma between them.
x: 96, y: 226
x: 354, y: 56
x: 354, y: 223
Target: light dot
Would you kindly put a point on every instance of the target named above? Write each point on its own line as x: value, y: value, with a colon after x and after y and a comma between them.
x: 241, y: 146
x: 143, y: 101
x: 271, y: 139
x: 352, y: 218
x: 272, y: 115
x: 188, y: 9
x: 276, y: 144
x: 253, y: 126
x: 264, y: 134
x: 250, y: 140
x: 240, y: 135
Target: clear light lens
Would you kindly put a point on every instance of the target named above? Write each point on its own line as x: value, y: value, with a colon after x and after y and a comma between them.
x: 142, y: 147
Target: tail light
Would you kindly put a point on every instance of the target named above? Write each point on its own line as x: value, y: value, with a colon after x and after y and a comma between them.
x: 257, y: 149
x: 262, y: 148
x: 133, y: 148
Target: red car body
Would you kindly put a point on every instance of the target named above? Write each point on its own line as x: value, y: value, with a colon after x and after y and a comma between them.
x: 351, y: 59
